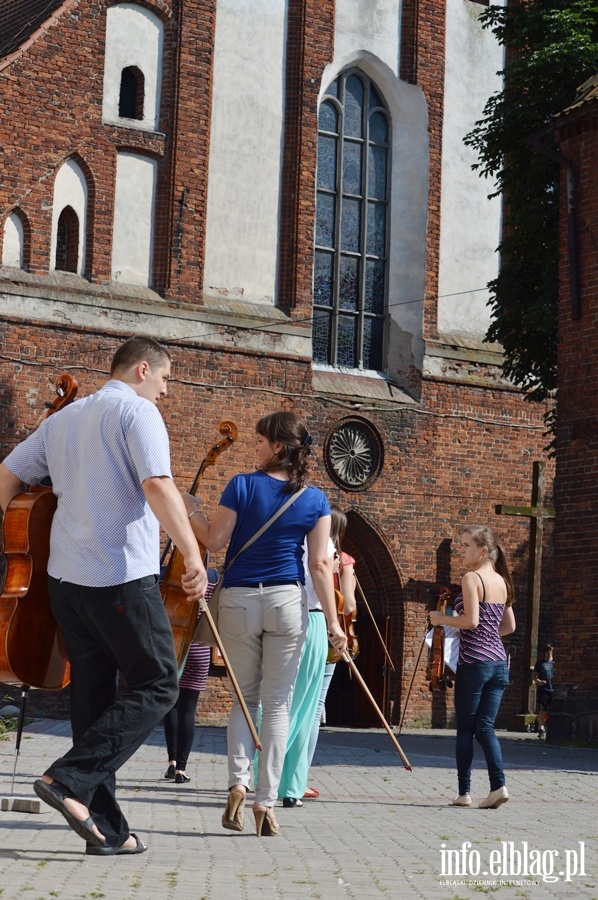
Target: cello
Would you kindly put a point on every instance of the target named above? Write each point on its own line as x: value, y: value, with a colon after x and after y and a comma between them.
x: 31, y: 648
x: 181, y: 612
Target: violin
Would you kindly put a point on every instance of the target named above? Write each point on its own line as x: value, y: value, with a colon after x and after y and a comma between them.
x: 347, y: 622
x: 31, y: 648
x: 439, y: 679
x: 182, y: 612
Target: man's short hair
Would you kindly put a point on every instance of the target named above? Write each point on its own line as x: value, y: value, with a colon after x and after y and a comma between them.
x: 136, y: 350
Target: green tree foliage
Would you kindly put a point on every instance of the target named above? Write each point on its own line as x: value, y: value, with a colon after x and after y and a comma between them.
x: 551, y: 48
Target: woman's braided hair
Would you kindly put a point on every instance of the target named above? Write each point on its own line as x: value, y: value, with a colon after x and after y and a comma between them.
x: 286, y: 428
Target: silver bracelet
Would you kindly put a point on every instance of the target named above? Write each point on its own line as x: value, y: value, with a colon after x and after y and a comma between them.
x: 191, y: 514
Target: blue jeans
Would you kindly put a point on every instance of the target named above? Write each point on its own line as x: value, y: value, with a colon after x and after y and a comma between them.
x: 106, y: 630
x: 478, y: 692
x: 315, y: 728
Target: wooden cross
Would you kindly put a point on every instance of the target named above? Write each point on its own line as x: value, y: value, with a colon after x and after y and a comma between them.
x: 537, y: 513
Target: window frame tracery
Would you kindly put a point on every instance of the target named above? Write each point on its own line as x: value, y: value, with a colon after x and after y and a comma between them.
x: 343, y: 260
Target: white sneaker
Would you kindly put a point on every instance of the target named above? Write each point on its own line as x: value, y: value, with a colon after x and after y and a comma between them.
x: 495, y: 799
x: 462, y: 800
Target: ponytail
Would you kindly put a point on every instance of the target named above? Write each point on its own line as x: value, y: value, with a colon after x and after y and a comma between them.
x: 484, y: 536
x: 502, y: 568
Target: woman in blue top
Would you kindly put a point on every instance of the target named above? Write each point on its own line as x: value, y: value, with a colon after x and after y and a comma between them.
x: 263, y: 608
x: 484, y: 615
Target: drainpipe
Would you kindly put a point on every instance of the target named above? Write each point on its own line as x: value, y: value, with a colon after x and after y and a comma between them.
x: 567, y: 165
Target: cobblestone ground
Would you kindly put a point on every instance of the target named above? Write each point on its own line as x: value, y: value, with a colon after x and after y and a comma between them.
x: 377, y: 831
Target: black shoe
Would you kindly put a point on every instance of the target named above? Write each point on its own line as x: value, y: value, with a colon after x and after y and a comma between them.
x: 170, y: 772
x: 291, y: 802
x: 181, y: 778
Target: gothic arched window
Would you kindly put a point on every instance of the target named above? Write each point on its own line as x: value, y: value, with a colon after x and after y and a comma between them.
x: 16, y: 240
x: 350, y: 269
x: 131, y: 96
x: 67, y: 240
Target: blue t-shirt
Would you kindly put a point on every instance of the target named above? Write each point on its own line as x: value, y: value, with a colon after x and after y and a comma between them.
x: 544, y: 669
x: 277, y: 554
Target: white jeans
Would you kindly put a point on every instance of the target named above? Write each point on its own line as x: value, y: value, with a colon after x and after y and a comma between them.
x: 263, y: 630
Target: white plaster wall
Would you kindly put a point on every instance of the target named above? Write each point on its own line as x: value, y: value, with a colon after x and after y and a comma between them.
x: 470, y: 223
x: 245, y: 150
x: 409, y: 204
x: 13, y: 241
x: 70, y: 189
x: 134, y: 37
x: 134, y: 214
x: 372, y: 25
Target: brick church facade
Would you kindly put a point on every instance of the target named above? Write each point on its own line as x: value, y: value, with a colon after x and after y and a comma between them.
x: 281, y: 195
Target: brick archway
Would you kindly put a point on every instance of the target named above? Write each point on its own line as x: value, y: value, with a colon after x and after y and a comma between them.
x: 380, y: 580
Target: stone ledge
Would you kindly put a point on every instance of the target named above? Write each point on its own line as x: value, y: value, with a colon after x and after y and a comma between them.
x: 355, y: 385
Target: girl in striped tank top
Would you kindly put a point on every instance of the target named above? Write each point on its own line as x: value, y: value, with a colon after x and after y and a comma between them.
x: 484, y: 615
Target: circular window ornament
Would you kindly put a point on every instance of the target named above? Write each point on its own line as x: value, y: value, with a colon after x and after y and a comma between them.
x: 354, y: 454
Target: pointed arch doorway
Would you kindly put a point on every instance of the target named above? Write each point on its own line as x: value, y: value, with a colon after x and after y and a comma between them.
x: 347, y: 704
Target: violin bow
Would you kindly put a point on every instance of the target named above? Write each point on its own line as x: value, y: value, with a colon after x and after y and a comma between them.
x: 419, y: 656
x: 370, y: 697
x: 367, y: 606
x: 232, y: 677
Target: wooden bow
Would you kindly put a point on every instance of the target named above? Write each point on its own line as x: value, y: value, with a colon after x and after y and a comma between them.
x: 367, y: 606
x: 370, y: 697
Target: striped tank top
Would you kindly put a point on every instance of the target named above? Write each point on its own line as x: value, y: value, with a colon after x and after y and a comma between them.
x: 482, y: 644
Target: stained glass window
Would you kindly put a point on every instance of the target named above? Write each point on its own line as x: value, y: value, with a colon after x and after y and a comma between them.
x: 350, y: 268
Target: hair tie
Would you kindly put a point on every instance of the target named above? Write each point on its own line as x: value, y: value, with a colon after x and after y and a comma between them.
x: 307, y: 439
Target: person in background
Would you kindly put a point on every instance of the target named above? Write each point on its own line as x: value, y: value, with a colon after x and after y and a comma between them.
x: 262, y: 604
x: 543, y: 675
x: 484, y: 615
x: 344, y: 581
x: 108, y: 459
x: 179, y: 723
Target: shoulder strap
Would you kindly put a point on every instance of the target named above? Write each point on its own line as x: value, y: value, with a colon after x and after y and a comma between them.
x: 267, y: 524
x: 483, y: 587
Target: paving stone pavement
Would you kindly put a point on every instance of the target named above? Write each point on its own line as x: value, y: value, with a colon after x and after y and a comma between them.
x: 377, y: 831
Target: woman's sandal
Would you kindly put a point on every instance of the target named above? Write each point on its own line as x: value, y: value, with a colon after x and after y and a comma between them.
x: 265, y: 823
x: 233, y: 815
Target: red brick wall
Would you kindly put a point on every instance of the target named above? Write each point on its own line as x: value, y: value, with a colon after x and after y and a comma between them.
x: 60, y: 84
x: 576, y: 626
x: 447, y: 463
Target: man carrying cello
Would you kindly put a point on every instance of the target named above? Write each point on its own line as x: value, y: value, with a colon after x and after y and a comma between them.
x: 108, y: 458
